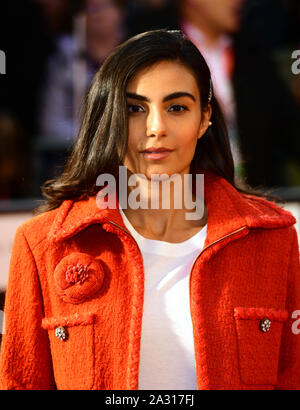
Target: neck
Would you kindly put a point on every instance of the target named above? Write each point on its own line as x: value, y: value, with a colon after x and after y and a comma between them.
x: 165, y: 208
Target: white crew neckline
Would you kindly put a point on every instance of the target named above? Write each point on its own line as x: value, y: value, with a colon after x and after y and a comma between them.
x: 166, y: 248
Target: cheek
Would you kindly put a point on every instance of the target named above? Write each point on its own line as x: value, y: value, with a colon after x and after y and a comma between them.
x: 134, y: 132
x: 129, y: 155
x: 132, y: 141
x: 189, y: 137
x: 188, y: 145
x: 133, y: 144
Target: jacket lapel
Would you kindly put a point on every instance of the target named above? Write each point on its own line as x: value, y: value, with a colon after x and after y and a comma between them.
x: 228, y: 213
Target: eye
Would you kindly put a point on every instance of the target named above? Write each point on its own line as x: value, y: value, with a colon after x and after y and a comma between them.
x: 134, y: 108
x: 178, y: 108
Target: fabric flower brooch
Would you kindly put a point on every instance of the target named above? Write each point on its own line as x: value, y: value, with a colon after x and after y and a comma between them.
x: 78, y: 277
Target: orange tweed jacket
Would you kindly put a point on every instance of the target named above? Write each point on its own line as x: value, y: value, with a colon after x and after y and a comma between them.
x: 74, y: 301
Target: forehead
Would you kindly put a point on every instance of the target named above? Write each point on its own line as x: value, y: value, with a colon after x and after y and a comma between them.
x: 163, y: 78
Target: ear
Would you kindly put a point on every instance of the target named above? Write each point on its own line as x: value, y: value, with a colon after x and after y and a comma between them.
x: 205, y: 120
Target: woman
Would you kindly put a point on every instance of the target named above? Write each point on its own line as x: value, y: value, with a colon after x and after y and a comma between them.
x: 145, y: 297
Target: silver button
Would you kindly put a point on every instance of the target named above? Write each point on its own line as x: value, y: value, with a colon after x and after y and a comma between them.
x: 61, y: 333
x: 265, y: 325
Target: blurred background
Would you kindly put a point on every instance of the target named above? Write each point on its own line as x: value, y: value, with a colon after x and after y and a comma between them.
x: 51, y: 49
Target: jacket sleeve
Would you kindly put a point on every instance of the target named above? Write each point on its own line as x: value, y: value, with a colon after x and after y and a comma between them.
x: 25, y: 359
x: 289, y: 361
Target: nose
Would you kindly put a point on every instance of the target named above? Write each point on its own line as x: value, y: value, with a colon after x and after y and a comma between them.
x: 156, y: 126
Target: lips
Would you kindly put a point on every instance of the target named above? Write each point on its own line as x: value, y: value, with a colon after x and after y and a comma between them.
x: 153, y: 153
x: 152, y: 150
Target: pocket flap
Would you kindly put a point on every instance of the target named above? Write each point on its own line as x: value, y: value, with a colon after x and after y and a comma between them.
x: 258, y: 349
x: 260, y: 313
x: 73, y: 355
x: 77, y: 319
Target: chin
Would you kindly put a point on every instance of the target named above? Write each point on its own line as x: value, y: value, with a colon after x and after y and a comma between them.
x: 154, y: 172
x: 159, y: 176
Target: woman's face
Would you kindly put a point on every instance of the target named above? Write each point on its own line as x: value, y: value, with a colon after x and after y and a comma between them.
x: 165, y: 114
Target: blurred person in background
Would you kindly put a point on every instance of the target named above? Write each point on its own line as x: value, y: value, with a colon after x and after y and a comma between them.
x: 209, y: 24
x: 97, y: 29
x: 242, y: 42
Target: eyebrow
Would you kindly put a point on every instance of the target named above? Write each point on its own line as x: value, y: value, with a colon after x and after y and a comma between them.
x: 169, y: 97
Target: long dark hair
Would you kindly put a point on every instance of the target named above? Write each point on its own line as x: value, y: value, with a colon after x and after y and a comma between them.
x: 102, y: 140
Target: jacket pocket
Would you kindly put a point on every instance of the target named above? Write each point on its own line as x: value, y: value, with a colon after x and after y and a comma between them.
x: 258, y: 338
x: 72, y: 349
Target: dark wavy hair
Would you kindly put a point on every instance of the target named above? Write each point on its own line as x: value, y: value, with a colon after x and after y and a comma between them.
x: 102, y: 140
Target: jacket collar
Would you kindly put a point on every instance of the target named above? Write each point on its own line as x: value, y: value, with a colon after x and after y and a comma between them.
x: 227, y: 211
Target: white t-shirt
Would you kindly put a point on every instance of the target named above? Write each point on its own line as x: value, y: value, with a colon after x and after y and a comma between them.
x: 167, y: 355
